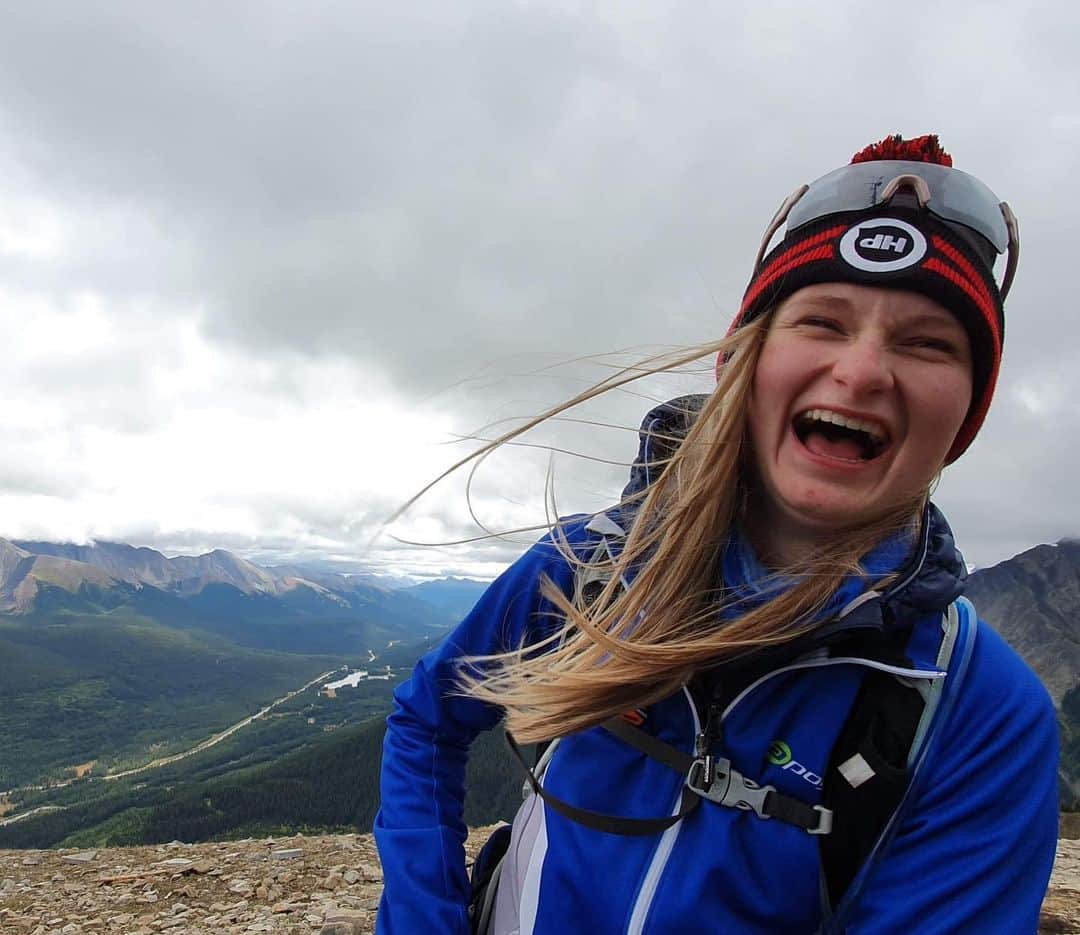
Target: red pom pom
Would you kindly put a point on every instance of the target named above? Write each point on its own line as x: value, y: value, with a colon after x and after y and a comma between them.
x: 920, y: 149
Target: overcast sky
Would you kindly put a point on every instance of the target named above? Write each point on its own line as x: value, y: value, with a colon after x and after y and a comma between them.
x: 260, y: 262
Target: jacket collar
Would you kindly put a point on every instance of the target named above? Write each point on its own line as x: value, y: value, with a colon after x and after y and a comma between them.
x: 930, y: 572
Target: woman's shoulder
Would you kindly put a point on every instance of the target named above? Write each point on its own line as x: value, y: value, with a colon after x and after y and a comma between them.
x: 995, y: 660
x: 1001, y: 692
x: 574, y: 539
x: 569, y: 545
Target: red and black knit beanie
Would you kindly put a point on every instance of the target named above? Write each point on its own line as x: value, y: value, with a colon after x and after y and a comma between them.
x: 948, y: 262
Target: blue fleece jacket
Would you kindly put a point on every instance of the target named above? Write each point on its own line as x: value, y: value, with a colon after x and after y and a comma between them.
x: 971, y: 851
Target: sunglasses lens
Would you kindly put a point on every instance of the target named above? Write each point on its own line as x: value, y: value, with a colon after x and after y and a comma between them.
x: 954, y: 196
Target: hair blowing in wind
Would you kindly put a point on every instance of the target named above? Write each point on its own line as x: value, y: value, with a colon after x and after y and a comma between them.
x: 630, y: 647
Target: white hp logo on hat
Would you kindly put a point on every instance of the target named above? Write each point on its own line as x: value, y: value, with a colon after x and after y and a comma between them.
x: 882, y: 245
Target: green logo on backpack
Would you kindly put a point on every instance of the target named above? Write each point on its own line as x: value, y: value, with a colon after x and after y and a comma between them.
x: 779, y: 753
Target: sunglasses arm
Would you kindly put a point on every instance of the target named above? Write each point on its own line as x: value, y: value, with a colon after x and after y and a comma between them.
x: 777, y: 222
x: 1014, y: 248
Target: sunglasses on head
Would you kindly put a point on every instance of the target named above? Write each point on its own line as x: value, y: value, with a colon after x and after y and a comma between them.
x: 948, y: 194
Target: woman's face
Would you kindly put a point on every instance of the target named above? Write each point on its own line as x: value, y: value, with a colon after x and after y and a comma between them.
x: 856, y: 399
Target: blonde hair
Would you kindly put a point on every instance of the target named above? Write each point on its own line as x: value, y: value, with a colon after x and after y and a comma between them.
x: 631, y: 647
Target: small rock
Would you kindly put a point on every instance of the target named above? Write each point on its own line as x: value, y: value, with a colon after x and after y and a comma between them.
x: 287, y: 853
x: 351, y: 877
x: 344, y: 922
x: 83, y: 857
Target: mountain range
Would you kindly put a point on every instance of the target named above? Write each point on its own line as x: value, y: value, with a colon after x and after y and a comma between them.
x: 26, y: 565
x: 1032, y: 599
x: 288, y: 607
x: 108, y: 651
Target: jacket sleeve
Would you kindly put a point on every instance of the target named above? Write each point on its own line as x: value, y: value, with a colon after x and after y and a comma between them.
x: 975, y: 847
x: 419, y: 829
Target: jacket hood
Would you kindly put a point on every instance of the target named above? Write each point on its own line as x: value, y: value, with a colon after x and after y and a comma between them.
x: 928, y: 578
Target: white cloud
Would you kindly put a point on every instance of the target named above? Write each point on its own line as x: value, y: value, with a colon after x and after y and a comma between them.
x: 244, y: 271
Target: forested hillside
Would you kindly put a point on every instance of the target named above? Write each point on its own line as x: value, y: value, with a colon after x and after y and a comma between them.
x: 118, y: 688
x: 1070, y: 750
x: 113, y: 655
x: 332, y: 784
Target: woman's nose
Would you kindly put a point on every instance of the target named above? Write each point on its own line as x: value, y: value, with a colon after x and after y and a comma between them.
x: 864, y: 365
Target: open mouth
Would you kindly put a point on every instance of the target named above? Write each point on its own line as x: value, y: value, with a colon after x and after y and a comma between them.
x: 833, y: 435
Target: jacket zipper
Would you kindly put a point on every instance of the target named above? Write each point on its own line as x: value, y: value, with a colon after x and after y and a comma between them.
x: 706, y: 739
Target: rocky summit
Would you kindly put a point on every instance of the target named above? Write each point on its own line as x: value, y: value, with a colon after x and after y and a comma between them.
x: 325, y: 885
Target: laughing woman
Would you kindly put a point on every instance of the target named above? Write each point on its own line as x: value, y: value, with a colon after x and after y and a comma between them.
x: 762, y: 702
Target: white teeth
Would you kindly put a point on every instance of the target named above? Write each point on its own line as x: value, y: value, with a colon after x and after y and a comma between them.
x: 827, y: 415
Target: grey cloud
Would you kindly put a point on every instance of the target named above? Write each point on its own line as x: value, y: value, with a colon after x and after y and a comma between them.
x: 1015, y: 486
x: 39, y: 479
x: 426, y: 191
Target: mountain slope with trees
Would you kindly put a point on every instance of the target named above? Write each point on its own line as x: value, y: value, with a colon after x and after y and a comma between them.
x: 117, y: 654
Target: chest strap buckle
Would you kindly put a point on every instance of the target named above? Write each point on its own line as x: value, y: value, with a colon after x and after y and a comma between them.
x: 715, y: 779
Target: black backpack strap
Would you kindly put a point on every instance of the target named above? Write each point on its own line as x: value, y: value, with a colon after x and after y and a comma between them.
x: 959, y: 625
x: 484, y: 879
x: 600, y: 821
x: 707, y: 777
x: 867, y: 774
x: 715, y: 779
x: 877, y: 754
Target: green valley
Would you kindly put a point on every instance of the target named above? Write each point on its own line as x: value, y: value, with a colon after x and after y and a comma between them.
x: 314, y: 765
x: 119, y: 689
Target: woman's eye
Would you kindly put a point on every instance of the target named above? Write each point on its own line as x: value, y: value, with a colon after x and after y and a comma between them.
x: 815, y: 321
x: 933, y: 344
